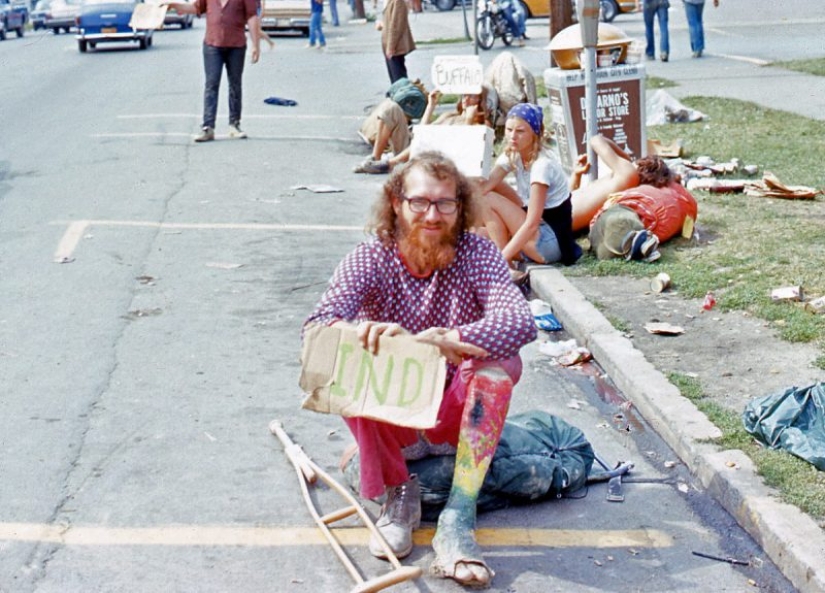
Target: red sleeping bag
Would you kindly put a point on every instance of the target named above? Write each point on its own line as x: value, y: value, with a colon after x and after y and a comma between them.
x: 662, y: 210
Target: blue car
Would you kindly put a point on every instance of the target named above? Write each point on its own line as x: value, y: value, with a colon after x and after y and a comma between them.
x: 107, y: 21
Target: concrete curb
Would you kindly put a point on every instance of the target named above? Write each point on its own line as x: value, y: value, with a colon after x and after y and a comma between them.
x: 792, y: 540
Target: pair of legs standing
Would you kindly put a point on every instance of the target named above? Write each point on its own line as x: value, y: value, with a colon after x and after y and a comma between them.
x: 316, y: 32
x: 471, y: 418
x: 696, y: 27
x: 215, y: 59
x: 657, y: 10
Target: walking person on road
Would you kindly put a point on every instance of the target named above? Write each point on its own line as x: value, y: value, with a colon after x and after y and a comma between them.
x: 316, y: 31
x: 224, y: 46
x: 423, y: 274
x: 693, y: 11
x: 656, y: 9
x: 396, y: 37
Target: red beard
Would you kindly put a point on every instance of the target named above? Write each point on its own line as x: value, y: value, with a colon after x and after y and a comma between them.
x: 426, y: 254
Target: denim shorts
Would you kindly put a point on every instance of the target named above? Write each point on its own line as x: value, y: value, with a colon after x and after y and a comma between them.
x: 547, y: 244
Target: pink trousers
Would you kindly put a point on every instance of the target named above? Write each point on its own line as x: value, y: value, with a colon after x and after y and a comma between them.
x: 380, y: 444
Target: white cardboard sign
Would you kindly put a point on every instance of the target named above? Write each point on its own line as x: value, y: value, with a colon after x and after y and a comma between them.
x: 469, y: 147
x: 460, y: 75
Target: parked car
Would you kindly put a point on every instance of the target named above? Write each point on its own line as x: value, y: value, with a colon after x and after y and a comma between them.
x: 61, y: 14
x: 541, y: 8
x: 37, y: 17
x: 286, y: 15
x: 173, y: 17
x: 107, y: 21
x: 610, y: 9
x: 14, y: 15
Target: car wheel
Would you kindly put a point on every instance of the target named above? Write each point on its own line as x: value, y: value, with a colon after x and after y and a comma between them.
x: 56, y: 30
x: 142, y: 42
x: 92, y: 45
x: 20, y: 31
x: 150, y: 41
x: 525, y: 9
x: 484, y: 32
x: 81, y: 45
x: 67, y: 30
x: 444, y: 5
x: 608, y: 10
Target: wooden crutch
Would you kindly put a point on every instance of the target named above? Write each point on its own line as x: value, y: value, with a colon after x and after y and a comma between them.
x: 308, y: 473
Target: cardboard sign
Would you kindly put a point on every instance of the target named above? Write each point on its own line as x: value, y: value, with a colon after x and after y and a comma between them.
x: 403, y: 384
x: 459, y: 75
x: 148, y: 16
x: 469, y: 147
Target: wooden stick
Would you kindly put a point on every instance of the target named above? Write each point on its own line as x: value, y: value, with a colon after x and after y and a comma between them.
x: 308, y: 473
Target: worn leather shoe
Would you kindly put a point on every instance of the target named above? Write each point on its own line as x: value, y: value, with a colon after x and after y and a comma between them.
x: 400, y: 514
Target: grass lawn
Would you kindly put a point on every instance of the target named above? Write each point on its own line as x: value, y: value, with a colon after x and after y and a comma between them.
x: 747, y: 246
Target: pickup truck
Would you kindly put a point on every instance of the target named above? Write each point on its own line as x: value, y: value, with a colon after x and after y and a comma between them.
x: 14, y: 15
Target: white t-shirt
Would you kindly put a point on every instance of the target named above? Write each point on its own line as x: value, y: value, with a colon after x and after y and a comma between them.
x: 546, y: 169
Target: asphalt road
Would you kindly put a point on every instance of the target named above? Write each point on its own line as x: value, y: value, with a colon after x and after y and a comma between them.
x: 151, y: 295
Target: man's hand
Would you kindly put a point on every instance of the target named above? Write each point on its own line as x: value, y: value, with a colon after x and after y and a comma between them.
x: 256, y: 53
x: 450, y: 344
x: 379, y: 25
x: 369, y: 331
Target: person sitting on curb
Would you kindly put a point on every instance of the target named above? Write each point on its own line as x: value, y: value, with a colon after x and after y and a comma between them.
x: 383, y: 127
x: 424, y: 274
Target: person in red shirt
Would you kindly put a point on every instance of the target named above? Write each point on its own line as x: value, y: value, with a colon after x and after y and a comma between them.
x: 224, y: 46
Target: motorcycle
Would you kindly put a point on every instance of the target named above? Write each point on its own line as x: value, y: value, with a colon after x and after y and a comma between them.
x: 491, y: 24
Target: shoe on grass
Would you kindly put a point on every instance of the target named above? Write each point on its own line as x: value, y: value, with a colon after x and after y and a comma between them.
x: 206, y: 135
x: 235, y: 131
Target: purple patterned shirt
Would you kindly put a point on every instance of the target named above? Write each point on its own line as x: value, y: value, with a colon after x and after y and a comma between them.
x: 474, y: 295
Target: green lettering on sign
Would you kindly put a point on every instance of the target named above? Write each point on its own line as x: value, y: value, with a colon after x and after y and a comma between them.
x: 367, y: 369
x: 336, y: 388
x: 410, y: 365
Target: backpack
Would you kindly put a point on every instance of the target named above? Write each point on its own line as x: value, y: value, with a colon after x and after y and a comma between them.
x: 410, y: 96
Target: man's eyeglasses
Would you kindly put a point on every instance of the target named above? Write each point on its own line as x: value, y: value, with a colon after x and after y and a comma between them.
x: 423, y: 205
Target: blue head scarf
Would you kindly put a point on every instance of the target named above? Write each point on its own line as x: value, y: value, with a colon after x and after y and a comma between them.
x: 530, y: 113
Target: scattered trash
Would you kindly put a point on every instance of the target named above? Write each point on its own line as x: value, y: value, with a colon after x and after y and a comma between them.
x: 669, y: 151
x: 318, y: 188
x: 787, y: 293
x: 548, y: 322
x: 223, y: 266
x: 665, y: 329
x: 556, y: 349
x: 684, y: 488
x: 732, y: 464
x: 727, y: 559
x: 579, y: 355
x: 64, y: 260
x: 670, y: 464
x: 539, y: 307
x: 633, y: 551
x: 574, y: 404
x: 279, y: 101
x: 660, y: 283
x: 709, y: 302
x: 771, y: 187
x: 663, y: 108
x: 147, y: 280
x: 816, y: 305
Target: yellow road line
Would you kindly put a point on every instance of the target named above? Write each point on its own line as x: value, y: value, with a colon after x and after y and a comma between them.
x: 76, y: 229
x: 205, y: 535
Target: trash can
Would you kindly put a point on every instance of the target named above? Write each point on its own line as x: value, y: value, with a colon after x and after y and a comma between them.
x: 620, y: 109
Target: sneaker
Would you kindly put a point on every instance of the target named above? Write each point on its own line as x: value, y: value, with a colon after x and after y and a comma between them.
x: 373, y: 167
x: 206, y: 135
x: 400, y: 514
x: 235, y: 131
x: 664, y: 57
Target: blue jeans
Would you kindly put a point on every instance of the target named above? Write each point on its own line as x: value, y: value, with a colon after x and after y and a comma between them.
x: 515, y: 19
x: 664, y: 40
x: 315, y: 31
x: 214, y: 61
x: 697, y: 30
x: 333, y: 13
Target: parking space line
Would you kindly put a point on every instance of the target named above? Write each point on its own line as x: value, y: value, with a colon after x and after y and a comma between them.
x: 246, y: 116
x: 216, y: 535
x: 76, y: 229
x: 256, y: 136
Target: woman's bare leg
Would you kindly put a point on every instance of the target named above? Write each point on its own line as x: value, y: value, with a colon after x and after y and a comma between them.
x: 623, y: 175
x: 503, y: 218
